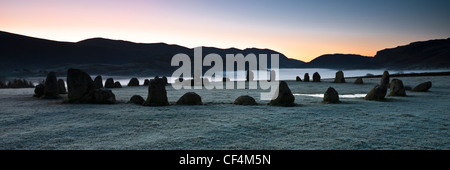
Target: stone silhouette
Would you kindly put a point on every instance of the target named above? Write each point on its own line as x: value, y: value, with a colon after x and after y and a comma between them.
x: 385, y: 79
x: 133, y: 82
x: 397, y: 88
x: 377, y: 93
x: 146, y: 81
x: 51, y: 90
x: 306, y: 77
x: 283, y: 96
x: 298, y: 78
x: 316, y: 77
x: 157, y: 94
x: 422, y: 87
x: 190, y: 98
x: 39, y: 90
x: 109, y: 83
x: 80, y: 86
x: 136, y: 99
x: 81, y: 89
x: 104, y: 96
x: 359, y: 80
x: 98, y: 82
x: 117, y: 85
x: 339, y: 78
x: 331, y: 96
x: 245, y: 100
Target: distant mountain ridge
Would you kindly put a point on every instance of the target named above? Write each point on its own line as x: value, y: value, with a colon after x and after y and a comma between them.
x: 23, y: 55
x: 105, y: 56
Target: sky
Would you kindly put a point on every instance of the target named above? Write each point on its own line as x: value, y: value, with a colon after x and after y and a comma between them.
x: 300, y: 29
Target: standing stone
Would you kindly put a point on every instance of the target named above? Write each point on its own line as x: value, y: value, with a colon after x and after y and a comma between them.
x: 283, y: 96
x: 136, y: 99
x: 397, y: 88
x: 250, y: 75
x: 423, y: 87
x: 377, y: 93
x: 190, y: 98
x: 81, y: 89
x: 245, y: 100
x: 109, y: 83
x: 331, y: 96
x: 98, y: 82
x: 61, y: 87
x: 80, y: 86
x: 117, y: 85
x: 51, y: 90
x: 306, y: 78
x: 272, y: 75
x: 157, y: 94
x: 298, y: 78
x: 316, y: 77
x: 385, y: 79
x: 133, y: 82
x: 104, y: 96
x: 39, y: 90
x: 339, y: 77
x: 359, y: 80
x: 146, y: 81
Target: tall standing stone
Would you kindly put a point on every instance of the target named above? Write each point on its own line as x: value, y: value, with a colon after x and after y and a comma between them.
x: 98, y: 82
x: 385, y: 79
x: 51, y: 90
x: 283, y: 96
x: 157, y: 94
x: 306, y: 78
x: 80, y: 86
x: 109, y: 83
x: 316, y: 77
x: 339, y: 78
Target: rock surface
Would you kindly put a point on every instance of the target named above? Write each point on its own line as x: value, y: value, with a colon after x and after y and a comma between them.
x: 316, y: 77
x: 397, y: 88
x: 157, y: 94
x: 331, y: 96
x: 245, y: 100
x: 422, y: 87
x: 133, y: 82
x: 190, y: 98
x: 377, y: 93
x: 136, y: 99
x: 109, y: 83
x: 98, y: 82
x: 339, y: 78
x: 359, y: 80
x: 284, y: 97
x: 306, y: 77
x: 298, y: 78
x: 51, y: 90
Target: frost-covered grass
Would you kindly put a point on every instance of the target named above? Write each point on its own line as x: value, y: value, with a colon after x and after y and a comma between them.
x: 419, y: 121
